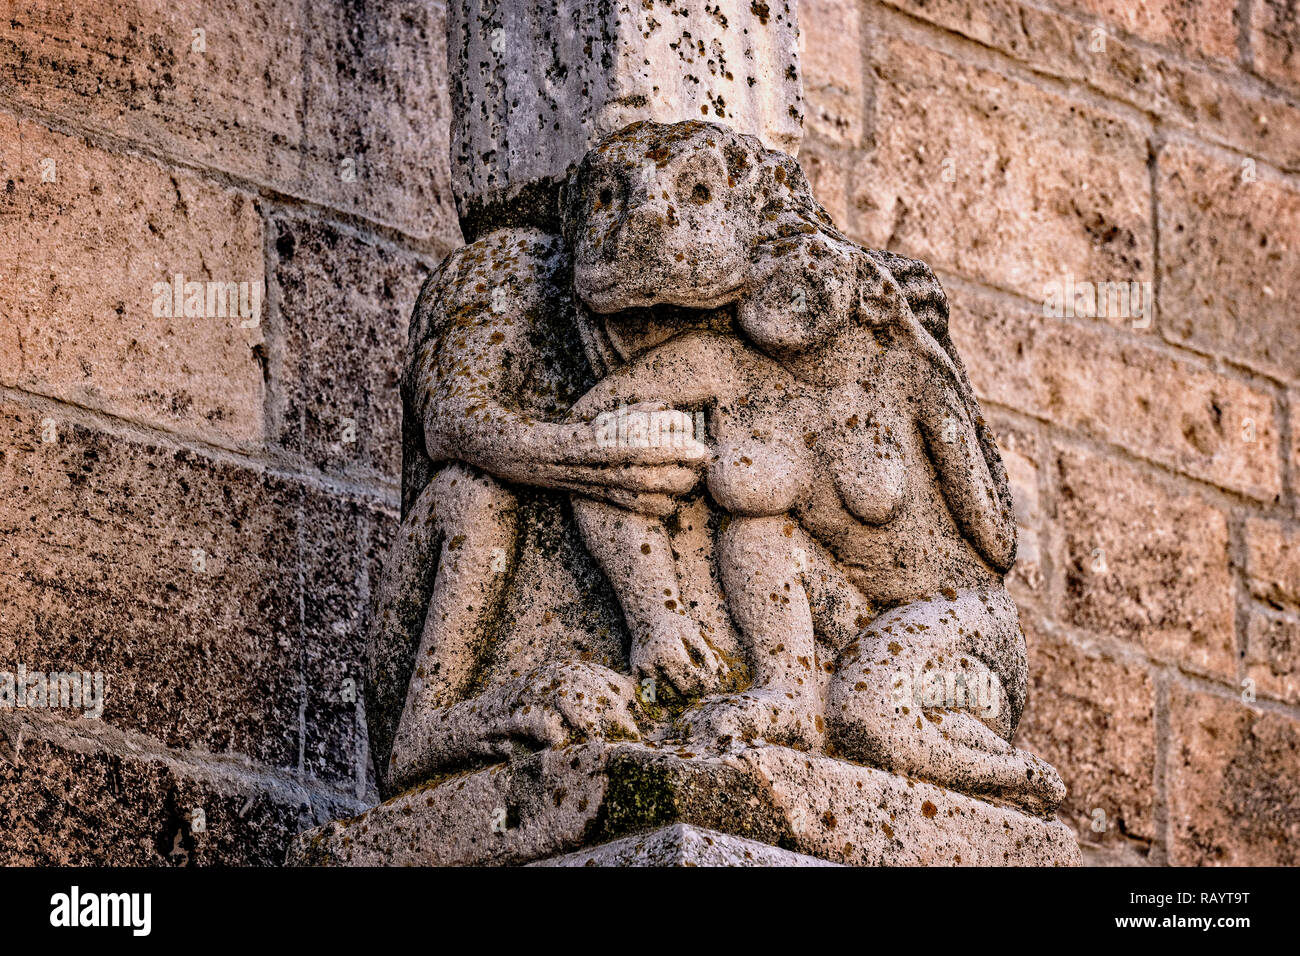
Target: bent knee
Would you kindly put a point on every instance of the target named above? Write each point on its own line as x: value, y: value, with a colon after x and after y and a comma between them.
x: 460, y: 497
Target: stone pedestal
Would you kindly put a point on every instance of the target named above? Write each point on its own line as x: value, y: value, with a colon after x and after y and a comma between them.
x: 683, y: 845
x: 621, y: 804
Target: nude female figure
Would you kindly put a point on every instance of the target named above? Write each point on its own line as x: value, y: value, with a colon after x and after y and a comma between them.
x: 848, y: 452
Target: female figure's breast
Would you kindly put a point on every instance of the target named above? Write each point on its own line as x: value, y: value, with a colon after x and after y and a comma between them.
x: 758, y: 469
x: 864, y: 452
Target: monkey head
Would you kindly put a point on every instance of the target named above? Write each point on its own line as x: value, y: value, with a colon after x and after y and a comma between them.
x: 670, y: 214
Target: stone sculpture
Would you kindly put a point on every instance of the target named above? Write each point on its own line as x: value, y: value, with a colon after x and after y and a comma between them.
x: 703, y: 537
x: 827, y: 551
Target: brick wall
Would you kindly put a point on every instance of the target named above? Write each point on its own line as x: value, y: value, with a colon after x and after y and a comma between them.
x: 196, y: 508
x: 191, y: 506
x: 1154, y: 463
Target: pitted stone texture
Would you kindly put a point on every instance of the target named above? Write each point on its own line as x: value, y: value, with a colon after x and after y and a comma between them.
x: 1133, y: 72
x: 82, y: 793
x: 87, y: 269
x: 1235, y: 299
x: 1275, y: 41
x: 1113, y: 389
x: 538, y: 83
x: 557, y: 801
x: 823, y: 402
x: 344, y: 105
x: 683, y: 845
x: 1233, y: 777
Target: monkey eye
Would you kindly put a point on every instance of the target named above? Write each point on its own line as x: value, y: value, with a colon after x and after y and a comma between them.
x: 700, y: 194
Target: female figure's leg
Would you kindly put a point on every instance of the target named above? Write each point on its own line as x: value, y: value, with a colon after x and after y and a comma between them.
x: 934, y: 689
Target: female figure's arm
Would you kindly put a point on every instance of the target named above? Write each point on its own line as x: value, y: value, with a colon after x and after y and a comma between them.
x: 978, y: 505
x: 690, y: 370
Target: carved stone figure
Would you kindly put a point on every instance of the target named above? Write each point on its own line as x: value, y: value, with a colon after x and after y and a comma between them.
x: 819, y: 567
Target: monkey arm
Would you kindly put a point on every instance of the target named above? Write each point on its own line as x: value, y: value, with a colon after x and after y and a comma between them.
x: 457, y: 393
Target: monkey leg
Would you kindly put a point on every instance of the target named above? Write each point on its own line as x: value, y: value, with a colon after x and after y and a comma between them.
x: 634, y: 551
x: 466, y: 522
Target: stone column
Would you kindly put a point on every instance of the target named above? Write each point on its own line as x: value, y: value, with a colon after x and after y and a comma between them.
x: 536, y: 83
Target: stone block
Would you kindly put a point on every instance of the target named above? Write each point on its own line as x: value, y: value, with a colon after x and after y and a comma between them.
x: 1275, y: 41
x: 998, y: 179
x: 177, y: 576
x: 1273, y: 654
x: 89, y: 795
x: 1273, y: 560
x: 559, y: 801
x: 1092, y: 715
x: 683, y: 845
x: 343, y: 306
x: 1261, y: 123
x: 96, y: 240
x: 1233, y: 781
x: 1229, y: 259
x: 831, y: 47
x: 1133, y: 571
x: 1117, y: 389
x: 345, y: 106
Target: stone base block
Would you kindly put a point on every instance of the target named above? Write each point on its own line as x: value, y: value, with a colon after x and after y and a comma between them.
x: 683, y: 845
x: 560, y: 801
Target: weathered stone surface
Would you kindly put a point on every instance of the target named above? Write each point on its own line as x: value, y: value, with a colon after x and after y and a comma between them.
x: 1133, y: 571
x: 828, y: 178
x: 1093, y: 715
x: 832, y: 50
x: 1273, y: 560
x: 1205, y: 102
x: 1233, y: 781
x: 1229, y: 258
x: 335, y: 556
x: 85, y: 794
x: 1117, y: 389
x: 1275, y: 41
x: 1026, y: 460
x: 683, y: 845
x: 1273, y: 654
x: 559, y: 800
x: 997, y: 179
x: 1293, y: 421
x: 175, y: 574
x: 1206, y: 28
x: 537, y: 84
x: 342, y: 303
x: 84, y: 253
x: 346, y: 106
